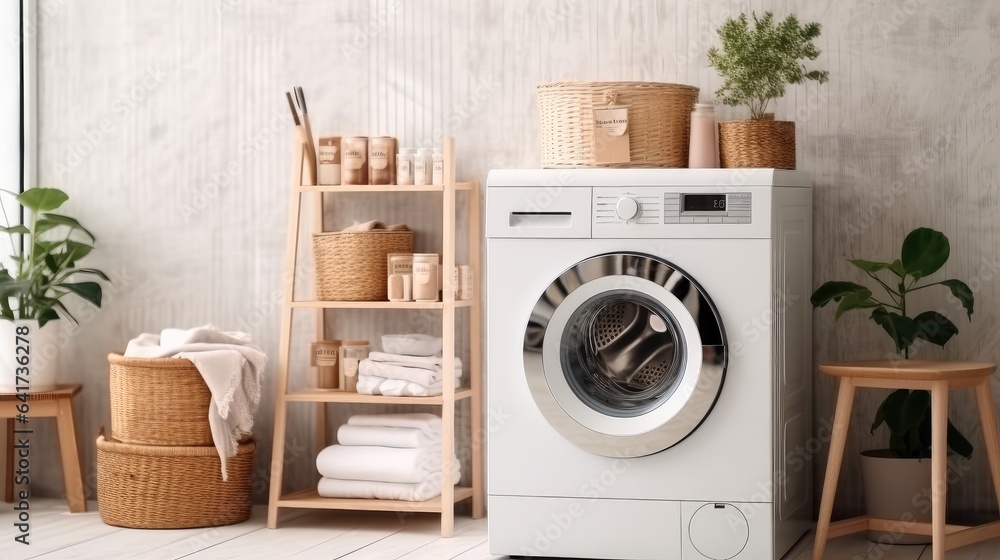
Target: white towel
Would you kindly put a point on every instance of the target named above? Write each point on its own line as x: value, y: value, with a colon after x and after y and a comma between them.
x: 374, y: 385
x: 429, y: 424
x: 419, y: 375
x: 385, y: 436
x: 231, y: 367
x: 426, y: 362
x: 381, y: 464
x: 421, y: 491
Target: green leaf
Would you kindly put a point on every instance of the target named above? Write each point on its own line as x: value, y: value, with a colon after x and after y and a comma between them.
x: 50, y: 262
x: 46, y: 315
x: 860, y: 299
x: 957, y: 442
x: 963, y: 294
x: 924, y: 252
x: 76, y: 251
x: 41, y: 199
x: 48, y: 221
x: 833, y: 291
x: 18, y: 228
x: 90, y: 291
x: 902, y: 330
x: 935, y: 327
x: 92, y: 271
x: 897, y: 268
x: 913, y: 411
x: 869, y: 266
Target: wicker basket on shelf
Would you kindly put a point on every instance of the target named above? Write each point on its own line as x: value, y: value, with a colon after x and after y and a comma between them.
x: 351, y: 266
x: 158, y: 401
x: 161, y: 487
x: 659, y: 122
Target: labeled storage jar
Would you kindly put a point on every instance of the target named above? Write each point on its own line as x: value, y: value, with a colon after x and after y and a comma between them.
x: 354, y: 161
x: 425, y: 277
x: 381, y: 160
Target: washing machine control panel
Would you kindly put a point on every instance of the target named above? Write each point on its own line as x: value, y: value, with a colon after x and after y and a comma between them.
x: 653, y: 205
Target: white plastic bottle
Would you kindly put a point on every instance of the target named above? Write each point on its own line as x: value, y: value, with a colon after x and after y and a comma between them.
x: 422, y: 167
x: 704, y: 149
x: 437, y: 175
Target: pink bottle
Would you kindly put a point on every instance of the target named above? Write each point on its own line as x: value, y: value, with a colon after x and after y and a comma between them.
x: 704, y: 148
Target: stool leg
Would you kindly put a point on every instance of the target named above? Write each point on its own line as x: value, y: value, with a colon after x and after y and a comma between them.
x: 70, y: 457
x: 8, y: 461
x: 841, y: 421
x: 987, y: 417
x: 939, y: 466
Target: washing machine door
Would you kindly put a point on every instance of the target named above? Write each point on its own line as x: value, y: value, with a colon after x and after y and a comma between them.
x: 624, y: 355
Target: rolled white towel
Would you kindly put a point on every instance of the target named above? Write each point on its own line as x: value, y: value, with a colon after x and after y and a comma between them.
x: 421, y: 491
x: 382, y: 464
x: 385, y: 436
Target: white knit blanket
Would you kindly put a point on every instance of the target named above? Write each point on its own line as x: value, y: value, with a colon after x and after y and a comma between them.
x: 231, y: 367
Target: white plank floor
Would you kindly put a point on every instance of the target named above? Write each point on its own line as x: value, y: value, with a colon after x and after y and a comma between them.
x: 57, y: 534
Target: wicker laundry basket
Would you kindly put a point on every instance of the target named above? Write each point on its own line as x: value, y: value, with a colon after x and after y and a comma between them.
x: 158, y: 401
x: 161, y: 487
x: 351, y: 266
x: 659, y: 122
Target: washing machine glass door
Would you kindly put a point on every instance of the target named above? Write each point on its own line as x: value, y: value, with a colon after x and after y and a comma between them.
x: 624, y: 355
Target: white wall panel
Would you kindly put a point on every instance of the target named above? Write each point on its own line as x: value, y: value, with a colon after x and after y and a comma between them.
x: 903, y: 135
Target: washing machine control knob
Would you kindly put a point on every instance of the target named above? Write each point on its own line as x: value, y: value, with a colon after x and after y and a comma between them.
x: 627, y: 208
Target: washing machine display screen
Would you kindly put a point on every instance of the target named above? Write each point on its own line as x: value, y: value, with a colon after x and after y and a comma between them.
x: 704, y: 202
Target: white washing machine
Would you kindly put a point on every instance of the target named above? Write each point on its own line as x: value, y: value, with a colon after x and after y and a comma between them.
x: 649, y: 365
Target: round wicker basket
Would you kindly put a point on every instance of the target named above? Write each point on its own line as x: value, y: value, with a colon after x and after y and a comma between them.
x: 659, y: 122
x: 158, y: 401
x: 158, y: 487
x: 757, y: 143
x: 351, y: 266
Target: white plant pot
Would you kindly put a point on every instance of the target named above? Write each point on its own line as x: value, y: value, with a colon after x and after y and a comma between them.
x: 40, y: 345
x: 897, y: 488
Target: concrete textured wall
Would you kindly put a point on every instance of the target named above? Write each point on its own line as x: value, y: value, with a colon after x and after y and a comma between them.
x: 165, y: 121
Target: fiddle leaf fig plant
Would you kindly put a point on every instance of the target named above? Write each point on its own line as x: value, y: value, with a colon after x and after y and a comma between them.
x: 45, y: 255
x: 906, y: 413
x: 758, y: 63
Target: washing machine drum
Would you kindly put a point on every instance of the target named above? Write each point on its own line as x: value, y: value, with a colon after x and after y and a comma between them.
x: 624, y: 355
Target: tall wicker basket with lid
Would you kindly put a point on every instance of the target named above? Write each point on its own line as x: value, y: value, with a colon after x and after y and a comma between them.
x: 659, y: 122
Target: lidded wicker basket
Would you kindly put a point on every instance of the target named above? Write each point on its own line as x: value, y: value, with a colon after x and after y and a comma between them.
x: 659, y: 122
x: 161, y: 487
x: 158, y: 401
x: 351, y: 266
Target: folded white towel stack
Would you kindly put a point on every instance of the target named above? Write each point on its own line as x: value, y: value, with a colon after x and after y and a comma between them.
x: 400, y: 375
x: 385, y: 456
x: 232, y: 368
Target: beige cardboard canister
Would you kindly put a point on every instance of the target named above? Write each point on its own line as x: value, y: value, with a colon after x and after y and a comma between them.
x: 611, y: 133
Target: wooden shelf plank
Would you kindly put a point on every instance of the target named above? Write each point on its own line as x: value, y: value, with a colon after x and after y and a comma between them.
x: 380, y: 188
x: 338, y: 396
x: 310, y: 499
x: 378, y: 304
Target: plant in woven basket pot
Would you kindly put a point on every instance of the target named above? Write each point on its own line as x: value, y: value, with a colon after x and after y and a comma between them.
x: 757, y: 62
x: 41, y: 270
x: 897, y: 479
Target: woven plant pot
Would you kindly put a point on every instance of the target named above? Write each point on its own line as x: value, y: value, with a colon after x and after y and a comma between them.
x: 158, y: 487
x: 659, y: 122
x: 158, y: 401
x: 757, y: 143
x: 351, y: 266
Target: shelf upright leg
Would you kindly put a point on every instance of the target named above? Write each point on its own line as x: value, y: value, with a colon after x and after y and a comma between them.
x: 476, y: 353
x: 448, y: 341
x: 321, y: 408
x: 284, y: 343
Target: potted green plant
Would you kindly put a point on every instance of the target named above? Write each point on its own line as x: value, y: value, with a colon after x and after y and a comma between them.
x: 41, y: 271
x: 893, y: 477
x: 757, y: 64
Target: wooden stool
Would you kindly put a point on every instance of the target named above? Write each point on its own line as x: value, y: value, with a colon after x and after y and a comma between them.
x: 938, y: 378
x: 57, y: 404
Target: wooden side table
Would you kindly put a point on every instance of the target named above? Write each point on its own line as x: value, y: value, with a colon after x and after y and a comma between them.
x: 57, y: 404
x: 938, y: 378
